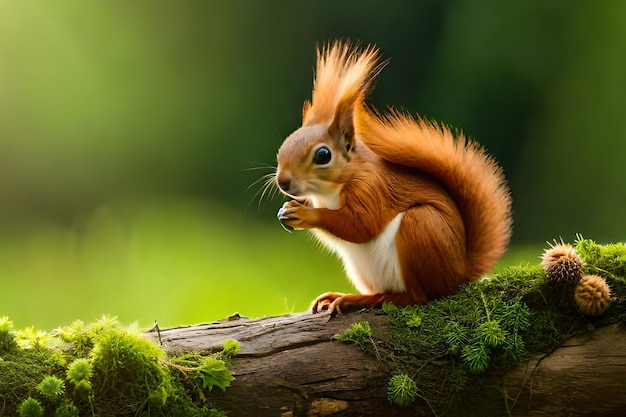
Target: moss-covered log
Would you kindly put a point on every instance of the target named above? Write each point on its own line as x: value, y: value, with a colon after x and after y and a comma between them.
x: 543, y: 340
x: 291, y: 366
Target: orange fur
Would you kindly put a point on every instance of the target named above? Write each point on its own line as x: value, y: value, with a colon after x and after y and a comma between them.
x: 413, y: 211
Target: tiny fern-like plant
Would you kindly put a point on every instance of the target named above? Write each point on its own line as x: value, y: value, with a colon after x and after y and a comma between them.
x: 456, y: 335
x: 515, y: 316
x: 490, y: 333
x: 401, y: 390
x: 476, y: 357
x: 214, y: 373
x: 207, y: 372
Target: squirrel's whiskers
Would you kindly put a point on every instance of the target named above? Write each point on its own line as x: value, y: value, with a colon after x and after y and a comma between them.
x: 267, y: 185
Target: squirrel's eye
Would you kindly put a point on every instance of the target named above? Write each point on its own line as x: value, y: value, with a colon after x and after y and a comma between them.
x: 322, y: 156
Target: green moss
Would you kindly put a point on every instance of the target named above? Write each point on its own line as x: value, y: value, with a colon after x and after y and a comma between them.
x: 7, y: 336
x: 230, y: 349
x: 604, y: 260
x: 80, y: 369
x: 453, y: 344
x: 120, y: 357
x: 51, y: 387
x: 20, y: 372
x: 359, y: 334
x: 67, y: 410
x: 104, y: 369
x: 30, y: 408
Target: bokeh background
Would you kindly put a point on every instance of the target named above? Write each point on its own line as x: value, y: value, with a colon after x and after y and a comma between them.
x: 132, y: 134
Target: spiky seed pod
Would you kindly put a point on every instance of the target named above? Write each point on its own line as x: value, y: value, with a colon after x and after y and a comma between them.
x: 562, y: 263
x: 592, y: 295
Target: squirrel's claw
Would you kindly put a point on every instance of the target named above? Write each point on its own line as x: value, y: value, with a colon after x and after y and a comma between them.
x: 329, y: 302
x: 283, y: 217
x: 295, y: 215
x: 285, y: 214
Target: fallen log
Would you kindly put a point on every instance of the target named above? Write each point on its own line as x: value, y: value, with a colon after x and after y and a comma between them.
x: 290, y: 366
x: 520, y: 343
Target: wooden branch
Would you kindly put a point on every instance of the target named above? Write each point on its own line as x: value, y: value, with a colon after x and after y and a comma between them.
x: 586, y: 376
x: 289, y: 366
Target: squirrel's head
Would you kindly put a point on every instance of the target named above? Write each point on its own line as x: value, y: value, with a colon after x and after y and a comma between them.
x: 312, y: 161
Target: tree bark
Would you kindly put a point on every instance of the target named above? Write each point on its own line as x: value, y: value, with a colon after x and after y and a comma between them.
x: 288, y: 366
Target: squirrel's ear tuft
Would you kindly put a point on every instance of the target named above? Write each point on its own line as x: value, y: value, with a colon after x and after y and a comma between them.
x: 305, y: 109
x: 342, y: 126
x: 344, y: 71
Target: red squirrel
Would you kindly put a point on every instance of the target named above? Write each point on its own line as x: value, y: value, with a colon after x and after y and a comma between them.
x: 413, y: 210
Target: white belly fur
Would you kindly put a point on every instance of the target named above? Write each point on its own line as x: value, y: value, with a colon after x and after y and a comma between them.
x: 373, y: 267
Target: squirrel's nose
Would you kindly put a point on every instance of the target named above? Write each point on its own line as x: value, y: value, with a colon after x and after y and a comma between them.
x: 284, y: 182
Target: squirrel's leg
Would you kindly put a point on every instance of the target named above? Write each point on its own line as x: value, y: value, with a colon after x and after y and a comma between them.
x: 431, y: 250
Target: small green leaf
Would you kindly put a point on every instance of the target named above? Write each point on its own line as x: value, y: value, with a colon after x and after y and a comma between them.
x: 214, y: 373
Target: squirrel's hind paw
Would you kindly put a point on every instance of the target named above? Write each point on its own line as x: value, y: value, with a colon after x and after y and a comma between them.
x: 329, y: 302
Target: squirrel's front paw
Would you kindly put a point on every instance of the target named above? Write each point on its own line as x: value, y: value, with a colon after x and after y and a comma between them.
x: 295, y: 215
x: 284, y: 216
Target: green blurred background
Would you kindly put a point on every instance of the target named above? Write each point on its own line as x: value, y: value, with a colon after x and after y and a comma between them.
x: 130, y: 133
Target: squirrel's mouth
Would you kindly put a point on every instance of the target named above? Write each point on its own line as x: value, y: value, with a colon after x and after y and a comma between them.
x: 284, y: 187
x: 287, y: 188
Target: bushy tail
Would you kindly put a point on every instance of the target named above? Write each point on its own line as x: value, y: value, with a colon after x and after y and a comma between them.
x: 472, y: 177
